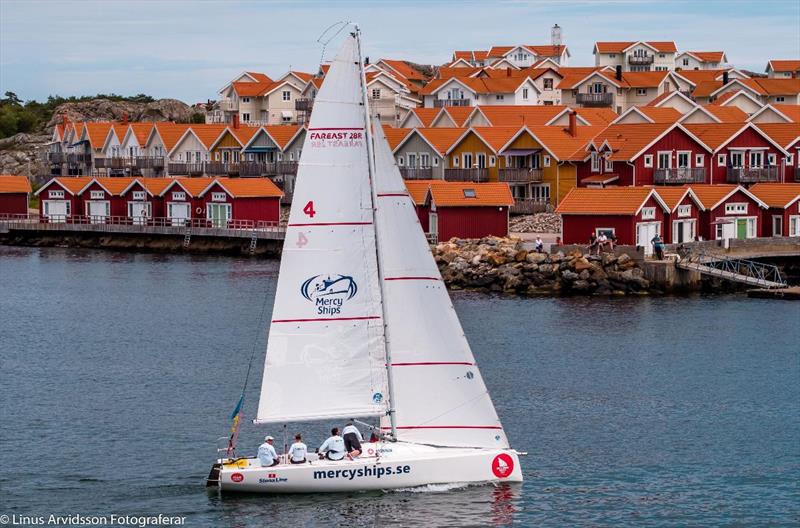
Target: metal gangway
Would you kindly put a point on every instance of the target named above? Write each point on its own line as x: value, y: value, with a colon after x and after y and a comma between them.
x: 733, y: 269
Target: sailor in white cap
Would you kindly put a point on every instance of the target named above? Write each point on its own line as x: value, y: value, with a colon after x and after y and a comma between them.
x: 266, y: 453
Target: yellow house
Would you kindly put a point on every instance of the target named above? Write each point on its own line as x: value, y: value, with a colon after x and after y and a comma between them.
x: 228, y: 146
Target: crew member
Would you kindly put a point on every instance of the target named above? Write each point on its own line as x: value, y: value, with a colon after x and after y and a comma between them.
x: 352, y: 440
x: 333, y: 447
x: 266, y: 453
x: 297, y: 453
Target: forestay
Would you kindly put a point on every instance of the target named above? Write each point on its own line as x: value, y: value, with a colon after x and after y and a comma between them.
x: 439, y: 395
x: 326, y: 353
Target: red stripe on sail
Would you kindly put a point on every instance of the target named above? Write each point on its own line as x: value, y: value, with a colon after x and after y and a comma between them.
x: 330, y: 224
x: 326, y: 319
x: 430, y: 363
x: 411, y: 278
x: 446, y: 427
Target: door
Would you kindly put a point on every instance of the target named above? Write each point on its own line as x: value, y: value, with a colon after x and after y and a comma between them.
x: 178, y: 213
x: 218, y: 214
x: 741, y: 228
x: 777, y: 226
x: 56, y: 211
x: 683, y: 165
x: 467, y: 161
x: 644, y: 234
x: 481, y: 160
x: 433, y: 225
x: 139, y: 212
x: 97, y: 211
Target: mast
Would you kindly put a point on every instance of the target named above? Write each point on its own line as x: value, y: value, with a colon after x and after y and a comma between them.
x: 371, y: 163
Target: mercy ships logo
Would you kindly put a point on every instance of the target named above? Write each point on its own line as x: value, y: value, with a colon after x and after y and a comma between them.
x: 329, y: 292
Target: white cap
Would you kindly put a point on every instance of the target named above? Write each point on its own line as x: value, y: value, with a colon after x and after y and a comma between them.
x: 268, y: 438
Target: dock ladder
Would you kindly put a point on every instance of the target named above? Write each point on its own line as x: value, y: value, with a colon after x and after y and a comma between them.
x: 253, y: 242
x: 733, y: 269
x: 187, y: 237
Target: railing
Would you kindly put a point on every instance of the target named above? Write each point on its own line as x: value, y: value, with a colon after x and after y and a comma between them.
x: 733, y: 269
x: 416, y: 173
x: 529, y: 206
x: 156, y: 163
x: 520, y: 174
x: 439, y: 103
x: 227, y: 105
x: 215, y: 168
x: 79, y: 159
x: 283, y: 167
x: 640, y: 60
x: 185, y: 168
x: 473, y: 175
x: 752, y: 175
x: 679, y: 175
x: 140, y: 221
x: 594, y: 99
x: 303, y: 105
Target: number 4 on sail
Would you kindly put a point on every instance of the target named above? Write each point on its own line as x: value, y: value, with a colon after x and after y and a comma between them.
x: 363, y: 325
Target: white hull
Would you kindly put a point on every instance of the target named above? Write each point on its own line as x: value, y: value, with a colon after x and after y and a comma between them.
x: 383, y: 466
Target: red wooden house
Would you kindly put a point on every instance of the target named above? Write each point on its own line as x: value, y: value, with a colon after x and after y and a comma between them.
x: 59, y: 198
x: 14, y: 194
x: 729, y: 211
x: 788, y: 136
x: 782, y: 218
x: 681, y: 223
x: 633, y: 214
x: 241, y: 199
x: 418, y: 189
x: 644, y: 154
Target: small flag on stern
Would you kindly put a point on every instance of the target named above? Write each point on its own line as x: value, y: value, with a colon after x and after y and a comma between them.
x: 236, y: 416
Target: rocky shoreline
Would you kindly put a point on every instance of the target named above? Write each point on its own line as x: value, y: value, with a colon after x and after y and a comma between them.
x: 506, y: 265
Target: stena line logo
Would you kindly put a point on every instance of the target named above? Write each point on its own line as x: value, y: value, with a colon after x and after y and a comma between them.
x: 329, y: 292
x: 502, y: 465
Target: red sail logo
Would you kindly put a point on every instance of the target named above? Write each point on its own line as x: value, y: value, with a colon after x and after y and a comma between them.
x: 237, y: 477
x: 502, y: 465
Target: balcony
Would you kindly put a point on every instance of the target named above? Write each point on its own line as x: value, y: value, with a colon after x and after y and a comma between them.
x: 752, y: 175
x: 253, y: 169
x: 190, y: 169
x: 529, y: 206
x: 439, y: 103
x: 303, y: 105
x: 640, y: 61
x: 56, y: 157
x: 679, y: 176
x: 154, y: 163
x: 283, y: 167
x: 227, y: 105
x: 520, y: 174
x: 594, y: 99
x: 79, y: 159
x: 414, y: 173
x: 467, y: 175
x: 216, y: 168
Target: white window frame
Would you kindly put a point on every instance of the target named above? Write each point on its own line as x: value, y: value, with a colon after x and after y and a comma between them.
x: 139, y: 195
x: 376, y: 93
x: 435, y: 161
x: 609, y: 165
x: 245, y: 100
x: 789, y: 160
x: 777, y: 219
x: 55, y: 195
x: 641, y: 91
x: 721, y: 160
x: 219, y: 197
x: 424, y: 160
x: 97, y: 195
x: 178, y: 196
x: 595, y: 159
x: 492, y: 161
x: 668, y: 154
x: 286, y: 95
x: 772, y: 159
x: 737, y: 155
x: 456, y: 162
x: 735, y: 208
x: 401, y: 161
x: 46, y: 207
x: 688, y: 154
x: 794, y: 225
x: 545, y: 160
x: 684, y: 211
x: 525, y: 94
x: 148, y: 208
x: 648, y: 213
x: 756, y: 155
x: 699, y: 160
x: 648, y: 161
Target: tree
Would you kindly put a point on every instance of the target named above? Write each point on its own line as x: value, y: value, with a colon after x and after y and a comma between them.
x: 11, y: 98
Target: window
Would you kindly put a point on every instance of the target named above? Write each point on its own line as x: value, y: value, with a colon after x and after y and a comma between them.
x: 735, y: 208
x: 97, y: 195
x: 469, y: 193
x: 683, y: 159
x: 245, y: 117
x: 525, y: 94
x: 376, y: 93
x: 286, y: 119
x: 138, y: 195
x: 684, y: 211
x: 609, y: 165
x: 794, y: 225
x: 548, y: 84
x: 641, y: 91
x: 664, y: 160
x: 685, y: 62
x: 595, y: 162
x: 546, y: 160
x: 412, y: 159
x: 737, y: 159
x: 245, y: 99
x: 401, y: 161
x: 662, y: 56
x: 216, y: 156
x: 789, y: 160
x: 56, y: 194
x: 179, y: 196
x: 720, y: 160
x: 492, y: 161
x: 756, y: 159
x: 648, y: 160
x: 612, y: 55
x: 772, y: 159
x: 699, y: 160
x: 780, y: 99
x: 435, y: 162
x: 499, y: 97
x: 648, y: 213
x: 287, y: 95
x: 541, y: 192
x: 218, y: 197
x: 424, y: 160
x: 455, y: 161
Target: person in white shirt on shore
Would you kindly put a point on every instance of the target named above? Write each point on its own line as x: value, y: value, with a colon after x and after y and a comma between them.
x: 297, y: 453
x: 266, y: 453
x: 333, y: 447
x: 352, y: 440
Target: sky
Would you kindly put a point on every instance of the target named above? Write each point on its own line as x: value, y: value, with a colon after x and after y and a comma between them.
x: 189, y: 50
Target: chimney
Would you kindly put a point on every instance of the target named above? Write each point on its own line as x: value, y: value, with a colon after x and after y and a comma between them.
x: 725, y: 77
x: 573, y: 123
x: 235, y: 120
x: 508, y: 71
x: 618, y: 74
x: 124, y: 118
x: 366, y: 61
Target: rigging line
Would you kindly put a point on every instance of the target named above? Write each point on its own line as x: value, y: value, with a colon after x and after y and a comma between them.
x: 255, y: 344
x: 325, y: 42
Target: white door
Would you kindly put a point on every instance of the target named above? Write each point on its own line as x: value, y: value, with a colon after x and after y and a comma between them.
x: 644, y: 234
x: 138, y: 212
x: 178, y: 213
x: 56, y: 211
x: 433, y: 225
x: 97, y: 211
x: 218, y: 214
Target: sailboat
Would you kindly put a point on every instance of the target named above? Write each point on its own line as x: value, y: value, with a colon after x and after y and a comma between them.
x: 363, y: 326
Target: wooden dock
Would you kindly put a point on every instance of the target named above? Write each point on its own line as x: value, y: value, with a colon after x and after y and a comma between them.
x: 788, y: 294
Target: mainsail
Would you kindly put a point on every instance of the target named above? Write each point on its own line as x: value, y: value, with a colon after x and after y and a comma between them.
x: 326, y: 353
x: 439, y: 395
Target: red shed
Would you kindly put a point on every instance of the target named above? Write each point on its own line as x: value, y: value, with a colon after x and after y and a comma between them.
x: 783, y: 216
x: 241, y: 199
x: 59, y: 198
x: 418, y: 189
x: 729, y: 211
x: 14, y: 194
x: 633, y: 214
x: 681, y: 223
x: 788, y: 136
x: 181, y: 199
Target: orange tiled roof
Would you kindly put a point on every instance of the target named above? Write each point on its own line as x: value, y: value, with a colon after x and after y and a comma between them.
x: 259, y: 77
x: 619, y: 47
x: 665, y: 114
x: 96, y: 132
x: 73, y: 183
x: 480, y: 85
x: 155, y: 185
x: 789, y: 110
x: 170, y: 133
x: 785, y: 65
x: 451, y: 194
x: 208, y: 133
x: 496, y: 136
x: 418, y: 189
x: 706, y: 88
x: 518, y: 115
x: 609, y: 201
x: 727, y: 114
x: 671, y: 196
x: 696, y: 76
x: 282, y: 134
x: 141, y: 131
x: 244, y: 133
x: 784, y: 134
x: 303, y: 76
x: 628, y: 140
x: 404, y: 69
x: 395, y: 135
x: 710, y: 195
x: 499, y: 51
x: 458, y: 114
x: 426, y: 115
x: 708, y: 56
x: 115, y: 185
x: 446, y: 72
x: 722, y: 98
x: 714, y: 134
x: 500, y: 73
x: 776, y: 86
x: 251, y: 89
x: 546, y: 50
x: 442, y: 138
x: 564, y: 146
x: 778, y: 195
x: 14, y: 184
x: 649, y: 79
x: 249, y: 187
x: 475, y: 55
x: 597, y: 116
